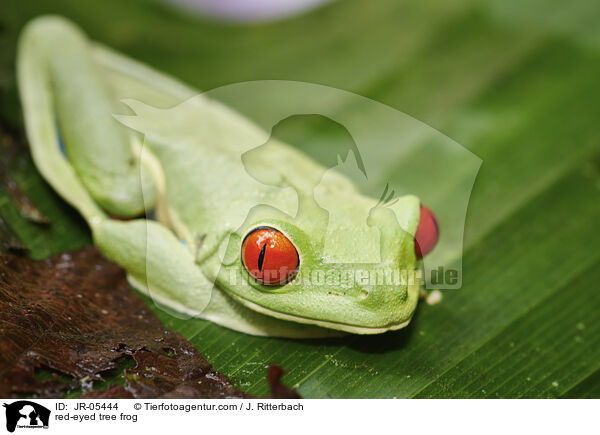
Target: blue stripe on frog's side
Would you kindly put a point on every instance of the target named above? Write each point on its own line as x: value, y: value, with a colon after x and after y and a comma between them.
x: 61, y: 143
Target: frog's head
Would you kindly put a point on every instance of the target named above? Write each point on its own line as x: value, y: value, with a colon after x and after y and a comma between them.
x: 354, y: 271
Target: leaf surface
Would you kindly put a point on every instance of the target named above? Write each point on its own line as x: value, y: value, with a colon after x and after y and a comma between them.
x: 511, y: 82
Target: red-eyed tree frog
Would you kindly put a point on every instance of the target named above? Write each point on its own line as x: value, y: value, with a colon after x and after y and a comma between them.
x: 200, y: 217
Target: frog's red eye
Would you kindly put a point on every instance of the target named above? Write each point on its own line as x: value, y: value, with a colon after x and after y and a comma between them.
x: 269, y: 256
x: 427, y: 233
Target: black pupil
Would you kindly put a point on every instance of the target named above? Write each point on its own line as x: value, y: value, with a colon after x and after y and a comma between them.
x: 261, y: 257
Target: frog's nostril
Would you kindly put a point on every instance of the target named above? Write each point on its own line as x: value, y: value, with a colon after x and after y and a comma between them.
x: 428, y: 233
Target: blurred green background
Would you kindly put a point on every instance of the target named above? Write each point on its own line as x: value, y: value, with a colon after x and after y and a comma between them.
x: 514, y: 82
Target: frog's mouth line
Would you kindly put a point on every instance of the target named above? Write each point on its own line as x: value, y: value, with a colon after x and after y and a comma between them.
x: 179, y: 307
x: 353, y: 329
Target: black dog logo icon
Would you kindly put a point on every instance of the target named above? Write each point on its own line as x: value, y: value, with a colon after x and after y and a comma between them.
x: 27, y: 414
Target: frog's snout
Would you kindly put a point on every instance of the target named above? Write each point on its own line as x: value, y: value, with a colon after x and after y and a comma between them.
x: 428, y: 232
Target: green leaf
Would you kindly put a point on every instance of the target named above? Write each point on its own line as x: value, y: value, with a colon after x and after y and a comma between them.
x: 515, y: 84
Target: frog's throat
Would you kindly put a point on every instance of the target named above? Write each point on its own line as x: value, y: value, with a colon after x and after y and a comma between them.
x: 353, y: 329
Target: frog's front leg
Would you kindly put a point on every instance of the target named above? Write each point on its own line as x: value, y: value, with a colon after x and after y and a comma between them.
x: 157, y: 263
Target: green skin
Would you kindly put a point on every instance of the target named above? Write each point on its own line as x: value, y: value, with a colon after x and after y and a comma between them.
x: 184, y: 164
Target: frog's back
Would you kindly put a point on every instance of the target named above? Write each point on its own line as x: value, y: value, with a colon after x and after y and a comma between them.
x: 218, y: 165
